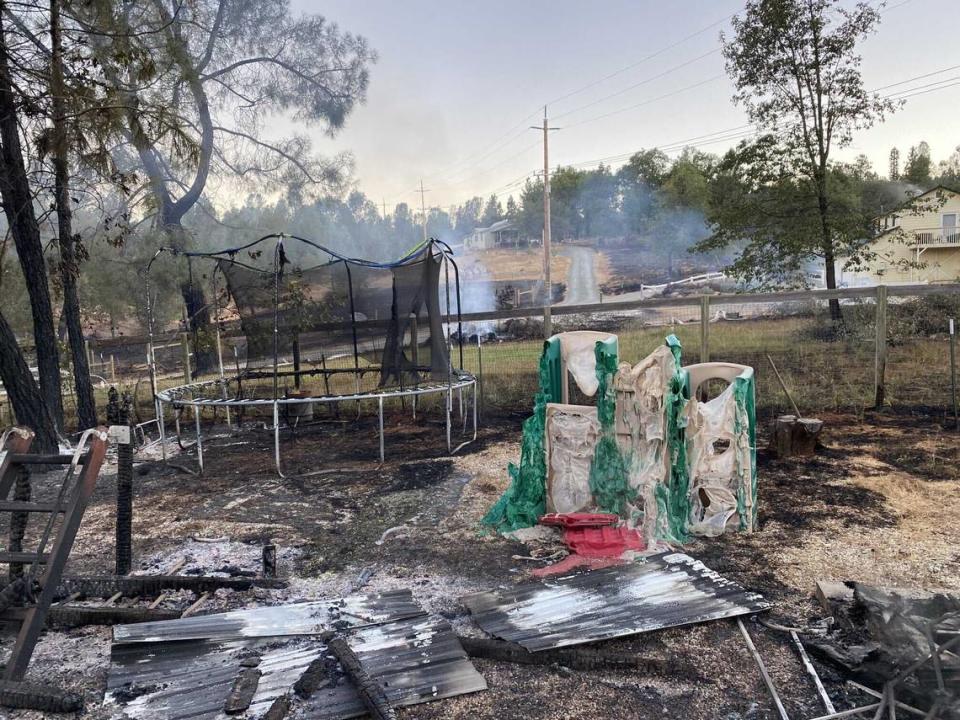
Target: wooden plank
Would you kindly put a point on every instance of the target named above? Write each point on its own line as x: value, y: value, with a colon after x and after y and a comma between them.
x: 15, y: 506
x: 829, y: 594
x: 24, y: 459
x: 22, y: 557
x: 36, y: 617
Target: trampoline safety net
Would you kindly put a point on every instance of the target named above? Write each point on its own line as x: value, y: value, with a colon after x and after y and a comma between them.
x: 332, y: 325
x: 305, y: 325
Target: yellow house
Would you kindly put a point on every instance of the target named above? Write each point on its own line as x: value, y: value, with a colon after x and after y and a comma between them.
x: 917, y: 244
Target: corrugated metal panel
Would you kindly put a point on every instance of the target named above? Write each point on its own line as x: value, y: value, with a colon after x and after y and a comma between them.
x: 307, y: 618
x: 667, y: 590
x: 416, y: 660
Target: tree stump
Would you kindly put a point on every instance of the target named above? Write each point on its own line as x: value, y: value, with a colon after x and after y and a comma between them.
x: 795, y: 436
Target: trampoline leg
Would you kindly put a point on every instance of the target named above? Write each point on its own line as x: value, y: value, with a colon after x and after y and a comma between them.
x: 449, y: 405
x: 462, y: 445
x: 380, y: 415
x: 463, y: 415
x: 162, y: 426
x: 414, y: 408
x: 196, y: 415
x: 276, y: 438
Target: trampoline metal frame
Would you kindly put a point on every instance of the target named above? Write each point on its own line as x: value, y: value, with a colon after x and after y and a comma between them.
x: 174, y: 397
x: 457, y: 380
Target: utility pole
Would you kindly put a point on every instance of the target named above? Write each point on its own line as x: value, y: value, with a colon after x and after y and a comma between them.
x: 423, y: 209
x: 547, y: 286
x: 384, y: 208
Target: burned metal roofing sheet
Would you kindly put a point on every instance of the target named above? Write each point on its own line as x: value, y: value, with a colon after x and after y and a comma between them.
x: 667, y: 590
x: 307, y: 618
x: 416, y: 660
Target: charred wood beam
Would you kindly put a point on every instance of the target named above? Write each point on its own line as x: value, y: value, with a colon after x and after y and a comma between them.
x: 76, y: 616
x: 316, y: 676
x: 150, y: 585
x: 278, y: 709
x: 369, y: 690
x: 29, y: 696
x: 242, y: 692
x: 15, y: 593
x: 573, y: 658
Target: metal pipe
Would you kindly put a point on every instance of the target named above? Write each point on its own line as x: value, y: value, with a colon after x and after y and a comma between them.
x: 170, y: 395
x: 216, y: 321
x: 763, y: 671
x: 874, y: 693
x: 380, y: 416
x: 812, y: 671
x: 196, y: 416
x: 480, y: 371
x: 848, y: 713
x: 277, y: 270
x: 449, y: 408
x: 276, y: 437
x: 953, y: 375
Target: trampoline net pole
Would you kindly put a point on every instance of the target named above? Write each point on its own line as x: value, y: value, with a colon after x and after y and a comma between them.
x: 216, y: 323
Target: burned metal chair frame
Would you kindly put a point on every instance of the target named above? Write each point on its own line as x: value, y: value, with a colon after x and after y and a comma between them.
x: 83, y: 467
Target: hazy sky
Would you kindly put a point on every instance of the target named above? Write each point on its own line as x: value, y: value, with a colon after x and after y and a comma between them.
x: 458, y: 82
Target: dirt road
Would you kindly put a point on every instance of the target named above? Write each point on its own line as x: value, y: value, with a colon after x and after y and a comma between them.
x: 582, y: 284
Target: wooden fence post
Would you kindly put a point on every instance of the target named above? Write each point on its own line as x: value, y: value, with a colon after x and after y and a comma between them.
x: 185, y: 345
x: 704, y: 328
x: 880, y: 361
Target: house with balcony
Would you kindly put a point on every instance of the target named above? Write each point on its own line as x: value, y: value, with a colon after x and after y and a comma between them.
x: 918, y: 243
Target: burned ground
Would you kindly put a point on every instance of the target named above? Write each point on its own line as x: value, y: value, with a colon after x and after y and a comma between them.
x: 852, y: 512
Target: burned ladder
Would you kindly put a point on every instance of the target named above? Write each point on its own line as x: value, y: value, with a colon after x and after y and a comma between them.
x: 27, y: 598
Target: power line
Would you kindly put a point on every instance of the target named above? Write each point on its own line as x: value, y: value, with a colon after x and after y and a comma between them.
x: 918, y: 77
x: 513, y: 134
x: 924, y: 92
x: 647, y: 102
x: 638, y: 84
x: 922, y: 87
x: 631, y: 66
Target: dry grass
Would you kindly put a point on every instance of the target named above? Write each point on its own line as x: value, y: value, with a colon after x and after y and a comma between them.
x: 918, y: 549
x: 515, y: 264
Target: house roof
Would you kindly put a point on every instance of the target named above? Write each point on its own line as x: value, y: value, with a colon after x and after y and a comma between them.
x: 935, y: 188
x: 905, y: 203
x: 498, y: 226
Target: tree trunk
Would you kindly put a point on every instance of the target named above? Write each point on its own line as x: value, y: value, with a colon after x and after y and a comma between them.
x: 23, y: 392
x: 829, y: 258
x: 18, y: 207
x: 194, y: 300
x: 86, y: 405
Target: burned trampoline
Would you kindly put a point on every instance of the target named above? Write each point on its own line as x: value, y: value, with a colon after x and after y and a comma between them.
x: 302, y: 327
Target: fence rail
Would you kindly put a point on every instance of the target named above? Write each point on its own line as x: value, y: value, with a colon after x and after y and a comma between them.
x: 875, y: 362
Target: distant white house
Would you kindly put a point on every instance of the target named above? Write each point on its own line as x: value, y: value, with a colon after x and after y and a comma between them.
x: 918, y: 246
x: 500, y: 234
